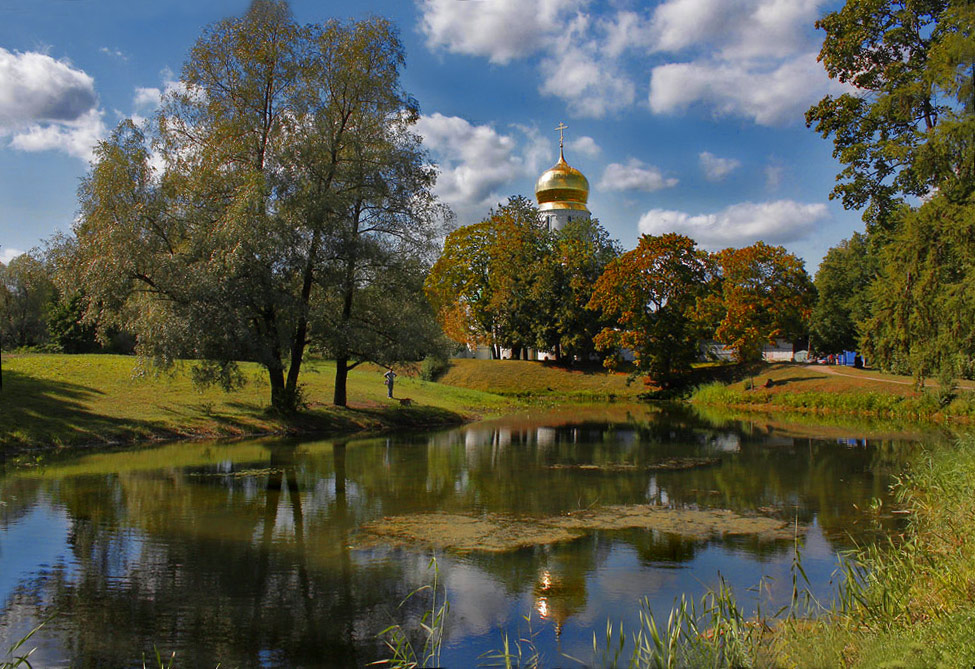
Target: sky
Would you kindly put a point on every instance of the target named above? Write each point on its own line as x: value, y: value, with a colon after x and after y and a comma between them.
x: 685, y: 115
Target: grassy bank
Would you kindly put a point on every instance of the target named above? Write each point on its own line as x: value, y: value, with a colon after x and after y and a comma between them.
x: 913, y: 604
x: 838, y: 390
x: 521, y: 378
x: 59, y: 400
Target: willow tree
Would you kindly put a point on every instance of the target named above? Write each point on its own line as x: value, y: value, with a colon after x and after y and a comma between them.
x: 271, y: 136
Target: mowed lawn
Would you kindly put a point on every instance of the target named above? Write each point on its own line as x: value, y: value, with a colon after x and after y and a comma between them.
x: 792, y: 378
x: 522, y: 378
x: 54, y: 400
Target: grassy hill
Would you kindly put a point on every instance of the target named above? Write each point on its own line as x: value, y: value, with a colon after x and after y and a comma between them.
x: 56, y: 400
x: 521, y: 378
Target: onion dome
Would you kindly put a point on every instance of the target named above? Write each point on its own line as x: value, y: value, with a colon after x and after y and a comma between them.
x: 562, y: 187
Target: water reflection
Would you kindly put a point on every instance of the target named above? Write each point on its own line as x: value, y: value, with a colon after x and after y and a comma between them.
x: 250, y: 554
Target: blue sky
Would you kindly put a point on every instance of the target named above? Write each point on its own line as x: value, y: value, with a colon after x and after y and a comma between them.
x: 685, y: 115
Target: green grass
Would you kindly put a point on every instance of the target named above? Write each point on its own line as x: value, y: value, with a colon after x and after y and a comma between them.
x: 802, y: 389
x: 912, y: 603
x: 59, y: 400
x: 521, y: 378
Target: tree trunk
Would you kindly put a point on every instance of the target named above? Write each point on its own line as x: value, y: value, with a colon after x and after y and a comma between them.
x: 279, y: 395
x: 341, y: 376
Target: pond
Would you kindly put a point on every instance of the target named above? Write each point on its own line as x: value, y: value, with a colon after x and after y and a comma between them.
x: 547, y: 525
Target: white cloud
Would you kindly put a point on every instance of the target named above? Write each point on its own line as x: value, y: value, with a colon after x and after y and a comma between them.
x: 773, y: 176
x: 735, y: 30
x: 478, y: 164
x: 626, y: 30
x: 114, y: 53
x: 778, y: 222
x: 591, y: 87
x: 767, y: 96
x: 37, y: 88
x: 716, y: 169
x: 634, y: 175
x: 46, y: 104
x: 9, y: 253
x: 500, y: 30
x: 76, y: 138
x: 147, y: 97
x: 585, y: 145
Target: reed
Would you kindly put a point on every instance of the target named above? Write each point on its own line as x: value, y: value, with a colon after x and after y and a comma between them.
x: 406, y: 653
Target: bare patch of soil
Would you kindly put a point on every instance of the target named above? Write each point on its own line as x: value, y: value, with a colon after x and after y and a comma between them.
x: 497, y: 533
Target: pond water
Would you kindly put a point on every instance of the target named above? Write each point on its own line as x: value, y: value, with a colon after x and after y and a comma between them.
x: 299, y: 553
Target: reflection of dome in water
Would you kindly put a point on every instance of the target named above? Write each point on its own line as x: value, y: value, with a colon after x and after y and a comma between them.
x: 562, y: 187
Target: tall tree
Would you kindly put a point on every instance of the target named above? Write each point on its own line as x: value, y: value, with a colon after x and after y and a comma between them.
x: 482, y: 284
x: 577, y: 256
x: 262, y: 148
x: 26, y: 294
x: 760, y: 294
x: 649, y: 294
x: 842, y: 295
x: 908, y: 126
x: 924, y: 298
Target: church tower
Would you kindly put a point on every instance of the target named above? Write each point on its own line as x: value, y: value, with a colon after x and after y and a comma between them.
x: 562, y: 192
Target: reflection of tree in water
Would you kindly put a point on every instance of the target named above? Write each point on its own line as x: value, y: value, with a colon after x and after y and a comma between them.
x: 248, y: 562
x: 240, y: 597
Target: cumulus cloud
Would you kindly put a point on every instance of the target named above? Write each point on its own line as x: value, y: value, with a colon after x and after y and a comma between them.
x: 147, y: 97
x: 76, y: 138
x: 767, y: 96
x: 634, y: 175
x: 478, y: 164
x: 591, y: 86
x: 716, y: 169
x: 778, y: 222
x: 735, y: 30
x: 9, y: 253
x: 37, y: 88
x: 47, y: 104
x: 585, y: 145
x: 500, y: 30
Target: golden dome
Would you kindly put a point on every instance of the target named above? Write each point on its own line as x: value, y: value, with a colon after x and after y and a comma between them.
x: 562, y: 187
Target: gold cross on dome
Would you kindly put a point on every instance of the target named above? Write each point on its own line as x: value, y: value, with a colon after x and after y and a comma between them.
x: 560, y: 127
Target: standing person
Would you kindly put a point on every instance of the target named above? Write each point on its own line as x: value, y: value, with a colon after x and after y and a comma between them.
x: 389, y: 376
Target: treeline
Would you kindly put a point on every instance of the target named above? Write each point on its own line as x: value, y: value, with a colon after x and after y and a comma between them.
x: 36, y: 315
x: 902, y: 292
x: 509, y: 283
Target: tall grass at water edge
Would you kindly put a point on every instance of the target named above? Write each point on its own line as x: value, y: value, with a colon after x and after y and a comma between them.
x: 927, y: 404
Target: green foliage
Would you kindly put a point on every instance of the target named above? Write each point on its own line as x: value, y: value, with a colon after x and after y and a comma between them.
x: 842, y: 295
x: 908, y: 602
x: 909, y: 127
x: 290, y: 180
x: 481, y: 286
x: 433, y: 367
x: 69, y: 331
x: 924, y: 298
x: 575, y: 258
x: 648, y: 295
x: 26, y: 293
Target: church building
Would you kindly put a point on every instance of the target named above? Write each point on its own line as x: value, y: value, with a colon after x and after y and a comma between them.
x: 562, y: 192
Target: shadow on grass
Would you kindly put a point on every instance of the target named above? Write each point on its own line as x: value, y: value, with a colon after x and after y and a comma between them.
x: 40, y: 412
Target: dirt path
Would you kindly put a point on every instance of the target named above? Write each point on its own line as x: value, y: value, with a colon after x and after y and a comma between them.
x: 839, y: 370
